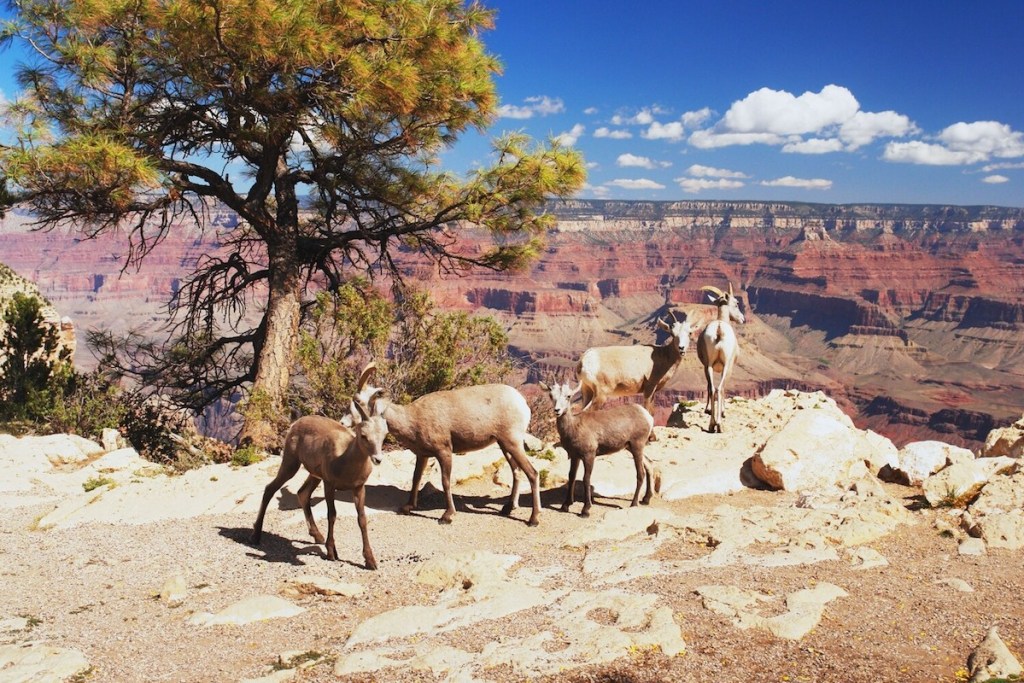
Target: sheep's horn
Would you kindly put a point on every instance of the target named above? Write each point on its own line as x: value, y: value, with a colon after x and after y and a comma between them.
x: 730, y: 288
x: 544, y: 386
x: 362, y: 410
x: 714, y: 290
x: 372, y: 402
x: 367, y: 373
x: 673, y: 314
x: 577, y: 389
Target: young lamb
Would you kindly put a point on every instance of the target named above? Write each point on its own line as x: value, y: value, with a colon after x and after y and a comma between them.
x: 442, y: 423
x: 342, y: 458
x: 600, y: 432
x: 717, y: 349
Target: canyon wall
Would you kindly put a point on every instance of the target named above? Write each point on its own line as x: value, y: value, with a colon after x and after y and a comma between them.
x: 911, y: 316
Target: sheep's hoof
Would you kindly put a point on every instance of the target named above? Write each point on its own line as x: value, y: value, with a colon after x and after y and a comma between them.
x: 445, y: 519
x: 533, y: 522
x: 371, y: 564
x: 332, y: 555
x: 318, y: 538
x: 406, y: 510
x: 585, y: 513
x: 564, y: 508
x: 506, y: 509
x: 652, y: 437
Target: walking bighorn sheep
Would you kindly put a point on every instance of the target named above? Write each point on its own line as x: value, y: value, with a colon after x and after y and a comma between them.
x: 456, y: 421
x: 606, y: 371
x: 717, y: 349
x: 342, y: 457
x: 600, y: 432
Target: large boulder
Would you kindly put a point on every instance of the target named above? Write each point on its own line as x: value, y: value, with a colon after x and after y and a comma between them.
x: 921, y: 459
x: 1007, y: 441
x: 960, y: 483
x: 813, y: 450
x: 993, y: 660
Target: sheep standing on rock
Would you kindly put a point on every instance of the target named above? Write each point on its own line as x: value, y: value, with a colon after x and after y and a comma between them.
x: 607, y: 371
x: 600, y: 432
x: 717, y: 349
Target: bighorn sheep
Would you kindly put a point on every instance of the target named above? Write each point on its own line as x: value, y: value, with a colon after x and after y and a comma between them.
x: 717, y: 349
x: 342, y: 457
x: 456, y: 421
x: 607, y: 371
x: 600, y: 432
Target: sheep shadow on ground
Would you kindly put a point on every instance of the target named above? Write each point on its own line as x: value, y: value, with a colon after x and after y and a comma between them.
x: 273, y: 547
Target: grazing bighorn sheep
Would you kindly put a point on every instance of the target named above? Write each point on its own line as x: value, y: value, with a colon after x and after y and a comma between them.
x: 717, y: 349
x: 600, y: 432
x: 606, y: 371
x: 456, y: 421
x: 342, y: 457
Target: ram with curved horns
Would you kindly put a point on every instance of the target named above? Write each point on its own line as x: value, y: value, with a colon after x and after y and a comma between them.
x: 717, y: 349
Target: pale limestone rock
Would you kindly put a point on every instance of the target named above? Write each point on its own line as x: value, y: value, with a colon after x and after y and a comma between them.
x: 40, y: 663
x: 1007, y: 441
x: 618, y: 524
x: 120, y: 460
x: 813, y: 450
x: 921, y: 459
x: 12, y: 624
x: 866, y: 558
x: 470, y: 571
x: 307, y: 584
x: 274, y: 677
x: 111, y: 439
x: 956, y: 584
x: 1002, y: 493
x: 174, y: 591
x: 256, y: 608
x: 992, y: 659
x: 804, y: 608
x: 436, y: 658
x: 1003, y: 530
x: 63, y: 449
x: 971, y: 546
x: 960, y: 483
x: 299, y: 659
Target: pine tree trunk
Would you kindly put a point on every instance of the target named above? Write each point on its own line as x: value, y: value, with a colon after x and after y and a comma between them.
x: 265, y: 415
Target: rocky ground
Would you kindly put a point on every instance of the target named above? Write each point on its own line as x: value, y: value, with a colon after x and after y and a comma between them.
x: 149, y: 577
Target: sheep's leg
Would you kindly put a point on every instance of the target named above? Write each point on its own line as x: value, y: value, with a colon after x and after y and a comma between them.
x: 649, y: 407
x: 513, y: 500
x: 414, y: 494
x: 304, y: 495
x: 285, y: 472
x: 570, y: 491
x: 638, y: 461
x: 649, y: 476
x: 588, y: 500
x: 518, y: 455
x: 332, y: 515
x: 445, y: 459
x: 709, y: 375
x: 359, y: 494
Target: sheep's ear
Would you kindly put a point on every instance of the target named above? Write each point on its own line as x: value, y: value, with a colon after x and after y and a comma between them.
x: 543, y: 386
x: 375, y: 406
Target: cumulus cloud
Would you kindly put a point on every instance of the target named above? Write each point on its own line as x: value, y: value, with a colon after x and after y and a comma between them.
x: 604, y: 132
x: 693, y: 119
x: 627, y: 160
x: 596, y: 191
x: 695, y: 185
x: 635, y: 184
x: 804, y: 183
x: 534, y: 106
x: 995, y: 179
x: 672, y: 131
x: 1001, y: 166
x: 812, y: 123
x: 641, y: 118
x: 697, y: 170
x: 569, y: 138
x: 590, y: 111
x: 959, y: 144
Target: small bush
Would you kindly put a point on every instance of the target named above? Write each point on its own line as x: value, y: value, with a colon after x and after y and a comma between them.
x: 95, y: 482
x: 247, y: 455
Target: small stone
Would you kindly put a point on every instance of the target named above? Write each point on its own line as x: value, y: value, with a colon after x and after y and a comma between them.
x: 971, y: 546
x: 174, y: 591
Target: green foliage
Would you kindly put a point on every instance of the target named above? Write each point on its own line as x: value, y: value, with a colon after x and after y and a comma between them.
x: 34, y: 369
x: 417, y: 349
x: 90, y: 403
x: 95, y: 482
x: 247, y: 455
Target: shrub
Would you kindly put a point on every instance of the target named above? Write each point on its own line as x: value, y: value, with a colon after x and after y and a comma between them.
x: 247, y: 455
x: 34, y: 367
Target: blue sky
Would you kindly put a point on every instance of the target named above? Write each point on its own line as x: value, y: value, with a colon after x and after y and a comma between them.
x: 838, y: 102
x: 897, y: 101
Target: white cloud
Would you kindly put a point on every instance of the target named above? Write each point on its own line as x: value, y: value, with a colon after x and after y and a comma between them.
x: 780, y: 112
x: 604, y: 132
x: 693, y: 119
x: 865, y: 127
x: 814, y: 146
x: 592, y: 165
x: 641, y: 118
x: 709, y: 139
x: 990, y: 138
x: 694, y: 185
x: 569, y: 138
x: 712, y: 172
x: 995, y: 179
x: 928, y: 154
x: 805, y: 183
x: 590, y: 111
x: 635, y: 184
x: 596, y: 191
x: 672, y: 131
x: 633, y: 160
x: 539, y: 105
x: 1003, y: 165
